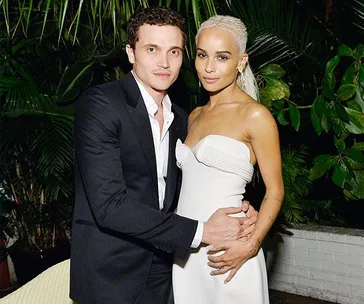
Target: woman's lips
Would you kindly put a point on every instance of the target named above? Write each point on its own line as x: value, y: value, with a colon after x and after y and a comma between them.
x: 210, y: 80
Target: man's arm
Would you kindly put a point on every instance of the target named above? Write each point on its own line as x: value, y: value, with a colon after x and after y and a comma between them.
x: 97, y: 152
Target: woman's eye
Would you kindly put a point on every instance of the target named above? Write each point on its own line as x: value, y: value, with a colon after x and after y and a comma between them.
x: 201, y: 55
x: 222, y: 57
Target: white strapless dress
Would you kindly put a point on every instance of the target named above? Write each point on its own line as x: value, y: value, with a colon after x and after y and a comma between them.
x: 214, y: 175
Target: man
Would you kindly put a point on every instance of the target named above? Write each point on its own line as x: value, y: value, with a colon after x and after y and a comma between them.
x: 124, y: 229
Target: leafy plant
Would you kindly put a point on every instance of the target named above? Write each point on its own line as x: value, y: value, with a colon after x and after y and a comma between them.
x: 321, y: 212
x: 36, y: 154
x: 51, y: 50
x: 274, y: 93
x: 339, y: 111
x: 297, y: 183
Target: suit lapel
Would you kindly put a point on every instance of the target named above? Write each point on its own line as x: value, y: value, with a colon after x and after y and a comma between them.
x: 172, y: 168
x: 139, y: 117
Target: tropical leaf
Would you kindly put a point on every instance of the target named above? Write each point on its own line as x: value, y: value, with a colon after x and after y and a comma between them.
x: 315, y: 120
x: 295, y: 117
x: 74, y: 79
x: 322, y: 164
x: 273, y: 70
x: 346, y: 91
x: 279, y: 36
x: 22, y: 93
x: 329, y: 78
x: 344, y: 50
x: 297, y: 183
x: 358, y: 14
x: 339, y: 175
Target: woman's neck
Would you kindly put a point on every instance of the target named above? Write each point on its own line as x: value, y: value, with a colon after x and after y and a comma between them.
x: 225, y: 95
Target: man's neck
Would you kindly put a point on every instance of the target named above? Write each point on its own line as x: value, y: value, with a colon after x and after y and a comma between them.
x: 156, y: 95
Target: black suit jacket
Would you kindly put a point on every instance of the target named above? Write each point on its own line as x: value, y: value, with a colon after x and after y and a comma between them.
x: 117, y: 224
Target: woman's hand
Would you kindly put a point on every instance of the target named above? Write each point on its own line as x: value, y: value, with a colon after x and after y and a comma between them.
x: 235, y: 255
x: 250, y: 220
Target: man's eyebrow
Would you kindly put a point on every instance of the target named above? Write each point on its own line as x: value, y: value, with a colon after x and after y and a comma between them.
x: 151, y: 45
x: 157, y: 47
x: 218, y: 52
x: 177, y: 47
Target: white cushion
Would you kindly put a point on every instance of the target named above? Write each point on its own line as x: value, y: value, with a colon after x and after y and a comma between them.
x: 50, y: 287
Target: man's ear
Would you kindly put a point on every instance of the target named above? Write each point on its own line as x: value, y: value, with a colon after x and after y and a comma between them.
x: 130, y: 52
x: 242, y: 62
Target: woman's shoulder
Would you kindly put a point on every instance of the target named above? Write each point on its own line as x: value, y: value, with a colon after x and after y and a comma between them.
x: 252, y: 109
x: 257, y: 118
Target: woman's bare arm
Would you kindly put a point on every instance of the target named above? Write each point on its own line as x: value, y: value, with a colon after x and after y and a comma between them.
x: 263, y: 134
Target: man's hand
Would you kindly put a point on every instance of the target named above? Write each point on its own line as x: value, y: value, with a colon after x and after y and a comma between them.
x: 222, y: 227
x: 250, y: 220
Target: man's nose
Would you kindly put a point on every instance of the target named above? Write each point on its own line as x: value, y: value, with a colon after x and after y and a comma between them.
x: 163, y: 61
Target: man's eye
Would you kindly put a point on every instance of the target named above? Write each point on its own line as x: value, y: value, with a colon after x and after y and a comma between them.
x: 151, y: 49
x: 222, y: 57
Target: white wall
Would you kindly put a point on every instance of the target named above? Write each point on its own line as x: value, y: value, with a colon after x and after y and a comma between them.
x: 321, y: 262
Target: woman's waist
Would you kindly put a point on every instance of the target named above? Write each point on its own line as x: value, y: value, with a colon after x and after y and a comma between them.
x: 221, y: 197
x: 201, y: 208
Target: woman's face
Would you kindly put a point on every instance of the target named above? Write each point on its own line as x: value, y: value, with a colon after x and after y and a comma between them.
x: 217, y: 59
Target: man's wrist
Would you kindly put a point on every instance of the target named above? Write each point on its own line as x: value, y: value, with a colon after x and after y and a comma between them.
x: 198, y: 235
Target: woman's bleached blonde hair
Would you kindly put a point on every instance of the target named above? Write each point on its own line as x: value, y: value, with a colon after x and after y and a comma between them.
x: 236, y: 27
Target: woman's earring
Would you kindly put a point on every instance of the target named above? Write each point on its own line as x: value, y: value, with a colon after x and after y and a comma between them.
x: 241, y: 80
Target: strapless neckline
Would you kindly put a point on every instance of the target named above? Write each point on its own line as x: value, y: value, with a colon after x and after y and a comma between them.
x: 233, y: 140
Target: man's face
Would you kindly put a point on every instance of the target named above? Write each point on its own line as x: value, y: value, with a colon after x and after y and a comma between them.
x: 157, y: 57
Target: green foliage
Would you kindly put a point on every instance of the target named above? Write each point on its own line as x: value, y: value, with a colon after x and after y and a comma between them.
x: 274, y: 93
x: 297, y: 183
x: 321, y: 212
x: 339, y: 111
x: 36, y: 154
x: 278, y: 32
x: 51, y: 50
x: 84, y: 37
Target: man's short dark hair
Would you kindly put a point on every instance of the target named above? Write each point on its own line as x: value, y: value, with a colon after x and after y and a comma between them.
x: 154, y: 16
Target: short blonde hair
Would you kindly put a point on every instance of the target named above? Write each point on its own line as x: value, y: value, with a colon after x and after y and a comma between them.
x: 231, y: 24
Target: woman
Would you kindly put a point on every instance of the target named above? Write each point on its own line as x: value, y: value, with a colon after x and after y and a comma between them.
x: 226, y: 138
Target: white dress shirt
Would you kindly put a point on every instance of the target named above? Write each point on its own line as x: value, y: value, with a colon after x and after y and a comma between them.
x: 161, y: 146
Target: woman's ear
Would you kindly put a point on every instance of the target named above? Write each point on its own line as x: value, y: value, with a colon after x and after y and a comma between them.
x: 242, y: 63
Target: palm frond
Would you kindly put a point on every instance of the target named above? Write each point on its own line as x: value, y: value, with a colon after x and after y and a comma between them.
x: 99, y: 17
x: 297, y: 183
x: 43, y: 147
x: 21, y: 93
x: 358, y: 11
x: 278, y: 31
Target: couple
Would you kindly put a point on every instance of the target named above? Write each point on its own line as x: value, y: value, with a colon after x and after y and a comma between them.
x: 128, y: 140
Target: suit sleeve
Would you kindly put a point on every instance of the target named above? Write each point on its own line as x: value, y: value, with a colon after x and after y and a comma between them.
x: 97, y: 154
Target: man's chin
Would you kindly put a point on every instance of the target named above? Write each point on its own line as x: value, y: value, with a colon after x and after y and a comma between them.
x: 162, y: 88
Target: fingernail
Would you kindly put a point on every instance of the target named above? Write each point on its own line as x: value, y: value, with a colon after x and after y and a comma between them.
x: 208, y: 248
